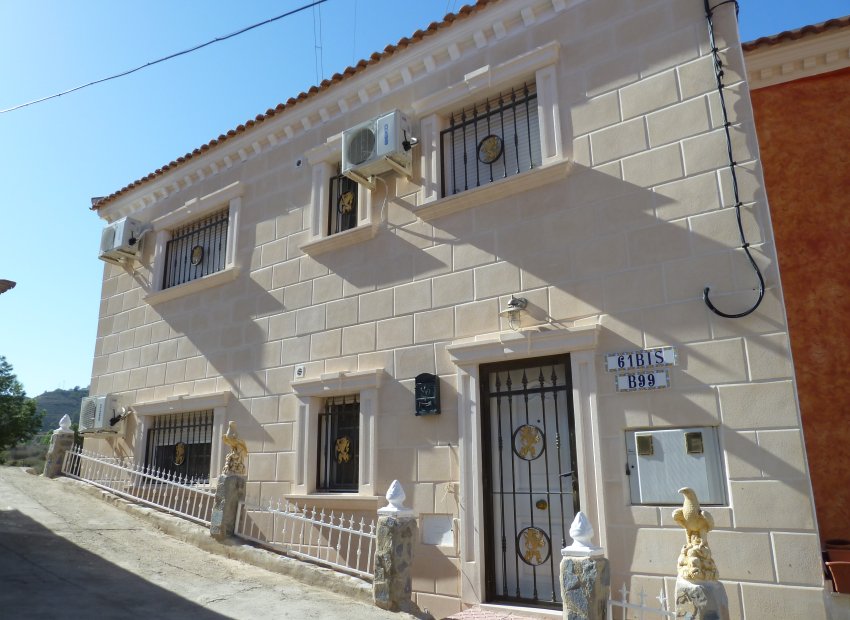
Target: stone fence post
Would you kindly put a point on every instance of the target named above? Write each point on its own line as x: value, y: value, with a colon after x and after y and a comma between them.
x: 61, y: 441
x: 585, y: 575
x: 230, y: 491
x: 396, y: 534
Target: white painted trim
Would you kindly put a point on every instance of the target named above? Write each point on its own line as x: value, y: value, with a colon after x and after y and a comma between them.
x: 797, y: 59
x: 218, y: 402
x: 323, y: 160
x: 581, y: 344
x: 193, y: 286
x: 483, y: 81
x: 198, y: 207
x: 194, y: 209
x: 501, y: 188
x: 311, y: 394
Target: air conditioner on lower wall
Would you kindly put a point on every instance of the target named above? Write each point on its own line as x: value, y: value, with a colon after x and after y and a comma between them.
x: 102, y: 414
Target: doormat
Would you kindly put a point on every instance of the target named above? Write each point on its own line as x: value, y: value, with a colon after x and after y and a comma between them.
x: 477, y: 613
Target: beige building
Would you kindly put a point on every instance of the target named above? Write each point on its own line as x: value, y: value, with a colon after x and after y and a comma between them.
x: 569, y: 153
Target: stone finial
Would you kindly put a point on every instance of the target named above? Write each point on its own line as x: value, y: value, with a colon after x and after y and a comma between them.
x: 234, y: 463
x: 395, y: 498
x: 582, y: 533
x: 695, y: 562
x: 64, y: 425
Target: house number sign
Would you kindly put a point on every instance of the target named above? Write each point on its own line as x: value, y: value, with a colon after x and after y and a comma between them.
x: 647, y: 380
x: 639, y: 360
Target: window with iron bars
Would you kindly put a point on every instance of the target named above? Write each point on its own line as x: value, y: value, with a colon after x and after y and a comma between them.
x: 490, y: 140
x: 196, y: 249
x: 342, y: 210
x: 181, y: 444
x: 339, y: 444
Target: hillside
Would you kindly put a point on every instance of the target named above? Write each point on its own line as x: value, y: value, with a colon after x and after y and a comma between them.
x: 59, y: 402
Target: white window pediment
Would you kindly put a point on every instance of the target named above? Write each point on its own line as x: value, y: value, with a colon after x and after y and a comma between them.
x: 312, y: 394
x: 324, y: 160
x: 533, y: 75
x: 223, y: 234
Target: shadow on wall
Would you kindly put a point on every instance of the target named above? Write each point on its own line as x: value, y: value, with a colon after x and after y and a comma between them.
x: 46, y: 576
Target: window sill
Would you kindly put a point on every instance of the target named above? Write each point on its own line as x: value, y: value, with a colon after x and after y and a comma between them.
x: 195, y: 286
x: 493, y: 191
x: 360, y: 233
x: 352, y: 501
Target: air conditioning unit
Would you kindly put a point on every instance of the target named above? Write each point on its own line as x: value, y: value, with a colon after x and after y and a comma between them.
x: 102, y: 414
x: 376, y: 146
x: 120, y: 240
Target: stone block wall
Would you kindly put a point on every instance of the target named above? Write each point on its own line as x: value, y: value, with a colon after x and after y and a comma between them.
x: 627, y: 239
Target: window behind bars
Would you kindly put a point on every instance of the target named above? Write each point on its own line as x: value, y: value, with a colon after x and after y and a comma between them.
x: 196, y: 249
x: 490, y: 140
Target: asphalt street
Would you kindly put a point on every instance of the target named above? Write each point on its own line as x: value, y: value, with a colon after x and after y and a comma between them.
x: 68, y: 554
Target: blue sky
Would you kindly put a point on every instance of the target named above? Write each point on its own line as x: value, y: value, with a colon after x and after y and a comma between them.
x: 56, y: 155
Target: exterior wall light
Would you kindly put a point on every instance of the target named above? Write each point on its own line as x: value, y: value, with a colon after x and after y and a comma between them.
x: 513, y: 309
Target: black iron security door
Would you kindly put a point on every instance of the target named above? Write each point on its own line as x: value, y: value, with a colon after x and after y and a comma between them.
x: 530, y: 482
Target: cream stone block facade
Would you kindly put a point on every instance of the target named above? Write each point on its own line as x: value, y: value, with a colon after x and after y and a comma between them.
x: 611, y: 236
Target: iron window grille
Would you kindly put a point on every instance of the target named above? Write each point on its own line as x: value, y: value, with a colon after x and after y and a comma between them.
x: 342, y: 210
x: 196, y: 249
x: 181, y: 444
x: 339, y: 444
x: 491, y: 140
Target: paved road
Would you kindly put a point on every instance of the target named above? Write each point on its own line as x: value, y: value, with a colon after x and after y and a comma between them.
x: 65, y: 554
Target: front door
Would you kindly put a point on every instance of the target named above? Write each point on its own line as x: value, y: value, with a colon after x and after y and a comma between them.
x: 530, y: 480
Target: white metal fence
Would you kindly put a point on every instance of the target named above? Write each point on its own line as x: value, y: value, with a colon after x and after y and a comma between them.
x: 338, y: 541
x: 639, y: 610
x: 188, y: 498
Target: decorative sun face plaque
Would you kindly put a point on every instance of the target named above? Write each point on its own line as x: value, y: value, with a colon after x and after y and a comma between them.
x: 346, y: 202
x: 533, y: 546
x: 528, y: 442
x: 490, y: 149
x: 179, y: 453
x: 197, y: 255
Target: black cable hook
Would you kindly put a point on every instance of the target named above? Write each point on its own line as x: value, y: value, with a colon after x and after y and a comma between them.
x: 719, y: 73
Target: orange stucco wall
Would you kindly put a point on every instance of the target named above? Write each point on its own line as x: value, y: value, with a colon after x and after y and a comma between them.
x: 804, y: 136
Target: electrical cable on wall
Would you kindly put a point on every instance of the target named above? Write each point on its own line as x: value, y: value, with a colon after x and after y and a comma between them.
x: 718, y: 72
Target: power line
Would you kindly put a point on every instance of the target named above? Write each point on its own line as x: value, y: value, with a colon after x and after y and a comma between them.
x: 164, y: 58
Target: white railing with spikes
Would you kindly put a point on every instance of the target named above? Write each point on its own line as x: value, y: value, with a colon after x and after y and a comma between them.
x: 334, y: 540
x: 638, y: 611
x: 190, y: 498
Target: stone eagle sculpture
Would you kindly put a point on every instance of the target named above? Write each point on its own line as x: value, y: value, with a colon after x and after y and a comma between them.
x: 695, y: 561
x: 234, y: 463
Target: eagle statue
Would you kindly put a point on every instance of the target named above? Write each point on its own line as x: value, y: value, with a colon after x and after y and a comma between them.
x: 695, y: 561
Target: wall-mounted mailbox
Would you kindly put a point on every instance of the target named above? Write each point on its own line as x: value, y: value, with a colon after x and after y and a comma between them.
x: 427, y: 394
x: 662, y: 461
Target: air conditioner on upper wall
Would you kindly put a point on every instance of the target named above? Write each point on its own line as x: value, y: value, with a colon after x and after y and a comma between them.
x: 379, y: 145
x: 102, y: 414
x: 120, y: 240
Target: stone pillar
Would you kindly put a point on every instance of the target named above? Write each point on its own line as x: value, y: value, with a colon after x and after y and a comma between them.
x: 61, y: 441
x: 229, y: 493
x: 396, y: 534
x: 701, y: 600
x: 585, y: 575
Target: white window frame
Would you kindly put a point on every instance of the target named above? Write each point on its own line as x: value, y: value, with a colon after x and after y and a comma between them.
x: 229, y: 197
x: 311, y: 395
x: 147, y: 412
x: 324, y: 161
x: 477, y: 85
